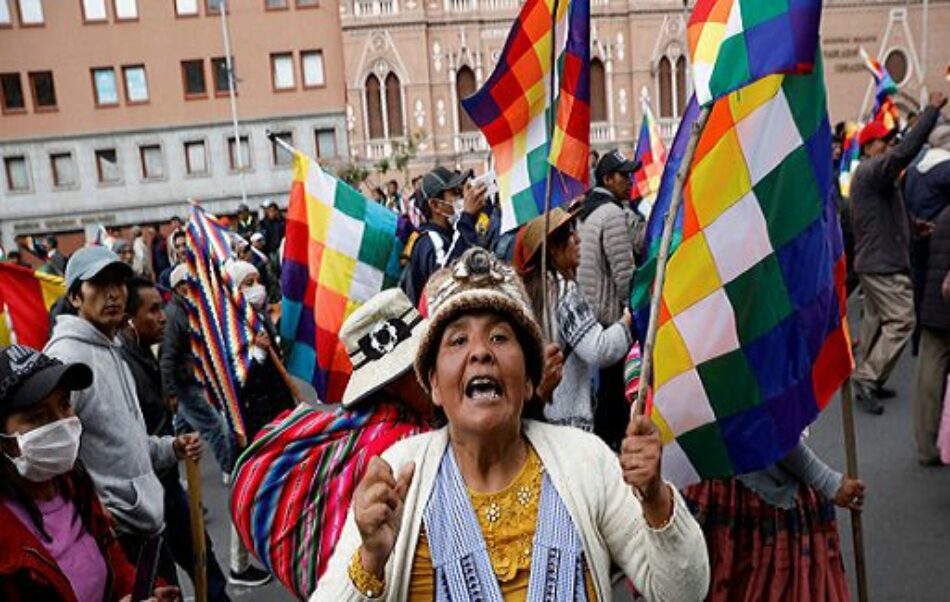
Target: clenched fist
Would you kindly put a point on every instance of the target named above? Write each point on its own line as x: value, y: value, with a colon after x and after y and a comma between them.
x: 377, y: 508
x: 640, y: 456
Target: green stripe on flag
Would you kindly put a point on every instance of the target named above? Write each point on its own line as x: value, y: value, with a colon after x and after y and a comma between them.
x: 349, y: 201
x: 732, y: 66
x: 706, y: 450
x: 789, y: 199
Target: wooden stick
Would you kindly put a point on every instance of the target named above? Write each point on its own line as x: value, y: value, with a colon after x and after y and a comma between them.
x: 851, y: 457
x: 663, y: 257
x: 197, y: 530
x: 284, y: 374
x: 549, y: 187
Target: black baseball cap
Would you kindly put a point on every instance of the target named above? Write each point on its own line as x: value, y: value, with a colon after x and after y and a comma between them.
x: 27, y: 377
x: 441, y: 179
x: 614, y: 162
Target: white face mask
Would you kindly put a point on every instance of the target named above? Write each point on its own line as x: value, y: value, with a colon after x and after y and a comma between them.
x: 48, y: 451
x: 256, y: 295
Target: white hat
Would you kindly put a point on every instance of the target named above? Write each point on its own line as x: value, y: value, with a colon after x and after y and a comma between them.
x: 179, y: 274
x: 381, y: 338
x: 257, y: 236
x: 239, y: 270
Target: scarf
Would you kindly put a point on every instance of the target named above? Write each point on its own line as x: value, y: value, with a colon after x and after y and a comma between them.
x: 463, y: 570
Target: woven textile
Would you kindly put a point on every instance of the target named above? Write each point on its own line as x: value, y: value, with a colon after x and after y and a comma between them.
x: 752, y: 341
x: 516, y: 106
x: 25, y: 300
x: 292, y: 487
x: 652, y: 157
x: 223, y: 323
x: 340, y: 250
x: 735, y: 42
x: 884, y: 109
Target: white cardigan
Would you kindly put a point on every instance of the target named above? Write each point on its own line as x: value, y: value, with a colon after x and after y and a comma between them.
x: 665, y: 564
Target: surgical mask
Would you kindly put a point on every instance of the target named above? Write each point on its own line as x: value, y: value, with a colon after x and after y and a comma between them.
x: 48, y: 451
x: 256, y: 295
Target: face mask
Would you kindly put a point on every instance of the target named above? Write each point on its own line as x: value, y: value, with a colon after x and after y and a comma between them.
x: 256, y: 295
x: 48, y: 451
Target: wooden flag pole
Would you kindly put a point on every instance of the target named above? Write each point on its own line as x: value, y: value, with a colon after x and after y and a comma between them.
x: 662, y: 258
x: 199, y: 551
x: 549, y: 188
x: 851, y: 458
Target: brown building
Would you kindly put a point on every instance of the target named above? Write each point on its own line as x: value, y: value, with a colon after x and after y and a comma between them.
x: 117, y: 111
x: 409, y: 61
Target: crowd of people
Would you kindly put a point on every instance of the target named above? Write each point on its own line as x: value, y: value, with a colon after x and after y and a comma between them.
x: 531, y: 477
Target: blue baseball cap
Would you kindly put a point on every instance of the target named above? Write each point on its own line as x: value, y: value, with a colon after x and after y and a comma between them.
x: 88, y: 262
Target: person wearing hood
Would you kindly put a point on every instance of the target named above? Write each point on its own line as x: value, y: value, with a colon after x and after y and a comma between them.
x: 246, y: 221
x: 450, y: 208
x: 610, y: 233
x: 116, y: 449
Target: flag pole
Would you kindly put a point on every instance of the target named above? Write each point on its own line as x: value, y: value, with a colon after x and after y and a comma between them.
x: 229, y: 65
x: 549, y: 187
x: 196, y: 514
x: 662, y: 258
x: 851, y: 458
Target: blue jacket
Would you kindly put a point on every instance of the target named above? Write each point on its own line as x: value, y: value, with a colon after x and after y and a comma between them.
x: 424, y: 260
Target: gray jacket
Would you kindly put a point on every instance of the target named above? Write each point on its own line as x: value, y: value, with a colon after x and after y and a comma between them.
x: 609, y: 232
x: 881, y: 225
x: 176, y: 359
x: 778, y: 484
x: 116, y: 449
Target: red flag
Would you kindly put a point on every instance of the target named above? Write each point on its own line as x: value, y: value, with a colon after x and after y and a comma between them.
x: 25, y: 299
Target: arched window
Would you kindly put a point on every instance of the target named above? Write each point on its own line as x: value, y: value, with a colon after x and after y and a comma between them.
x: 598, y: 91
x: 680, y: 85
x: 394, y: 107
x: 666, y: 88
x: 374, y: 108
x: 464, y: 87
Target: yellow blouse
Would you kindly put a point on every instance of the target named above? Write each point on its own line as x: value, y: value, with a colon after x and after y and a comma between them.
x: 508, y: 519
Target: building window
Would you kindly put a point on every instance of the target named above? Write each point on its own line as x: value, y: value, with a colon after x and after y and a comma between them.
x: 193, y: 78
x: 219, y: 69
x: 136, y: 85
x: 326, y: 144
x: 18, y: 176
x: 374, y: 108
x: 196, y: 157
x: 311, y: 65
x: 598, y: 91
x: 12, y: 93
x: 394, y: 106
x: 126, y: 10
x: 275, y: 4
x: 281, y: 157
x: 896, y: 65
x: 31, y: 12
x: 244, y: 161
x: 153, y: 167
x: 282, y: 70
x: 214, y: 6
x: 107, y: 166
x: 680, y: 85
x: 104, y: 81
x: 186, y: 8
x: 666, y: 87
x: 464, y: 87
x: 94, y: 10
x: 307, y: 3
x: 44, y: 92
x: 64, y: 169
x: 5, y: 20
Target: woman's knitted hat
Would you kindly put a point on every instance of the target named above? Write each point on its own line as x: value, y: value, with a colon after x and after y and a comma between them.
x: 478, y: 282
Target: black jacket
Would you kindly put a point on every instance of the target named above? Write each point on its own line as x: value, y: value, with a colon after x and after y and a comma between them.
x: 934, y: 309
x: 176, y: 360
x: 423, y: 262
x: 148, y: 387
x: 273, y: 230
x: 881, y: 225
x: 264, y: 394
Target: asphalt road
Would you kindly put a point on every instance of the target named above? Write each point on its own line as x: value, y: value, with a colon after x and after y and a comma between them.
x: 906, y: 517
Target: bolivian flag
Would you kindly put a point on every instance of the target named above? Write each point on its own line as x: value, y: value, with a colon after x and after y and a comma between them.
x: 25, y: 299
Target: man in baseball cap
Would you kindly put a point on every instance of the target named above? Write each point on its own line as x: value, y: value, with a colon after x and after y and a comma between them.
x: 450, y: 207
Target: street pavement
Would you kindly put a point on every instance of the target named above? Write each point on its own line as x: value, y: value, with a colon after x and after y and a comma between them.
x: 906, y: 517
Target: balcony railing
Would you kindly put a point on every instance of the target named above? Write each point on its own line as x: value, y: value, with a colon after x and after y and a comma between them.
x: 470, y: 142
x: 378, y: 149
x: 459, y: 6
x: 667, y: 127
x: 367, y: 8
x: 600, y: 132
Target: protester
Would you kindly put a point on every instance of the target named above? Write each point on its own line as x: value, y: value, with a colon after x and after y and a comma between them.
x: 610, y: 232
x: 141, y: 257
x: 566, y: 317
x: 57, y: 542
x: 144, y: 330
x: 246, y: 221
x: 176, y: 257
x: 123, y: 249
x: 159, y: 251
x: 450, y: 207
x: 116, y: 449
x: 272, y: 227
x: 393, y: 196
x: 772, y: 534
x: 55, y: 256
x: 882, y: 261
x: 180, y: 386
x: 47, y: 267
x: 422, y: 514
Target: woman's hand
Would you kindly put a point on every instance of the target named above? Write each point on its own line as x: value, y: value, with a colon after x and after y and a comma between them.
x: 377, y: 508
x: 262, y: 340
x: 552, y: 373
x: 850, y: 494
x: 640, y: 456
